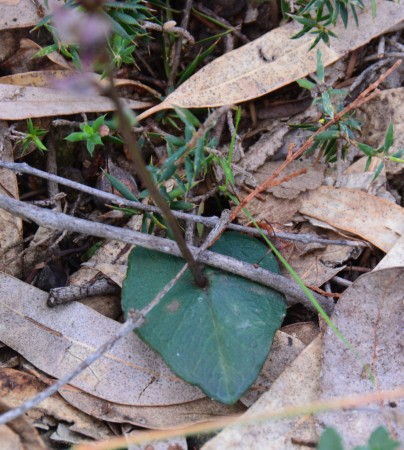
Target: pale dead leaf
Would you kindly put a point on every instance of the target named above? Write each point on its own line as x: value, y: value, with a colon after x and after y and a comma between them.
x: 304, y: 331
x: 376, y: 116
x: 115, y: 272
x: 46, y: 78
x: 356, y: 177
x: 9, y: 440
x: 17, y: 103
x: 298, y: 385
x: 292, y: 188
x: 22, y: 13
x: 395, y: 257
x: 369, y: 315
x: 271, y: 210
x: 176, y: 443
x: 64, y: 435
x: 374, y: 219
x: 111, y: 254
x: 19, y: 434
x: 284, y: 350
x: 10, y: 225
x: 317, y: 263
x: 154, y: 417
x: 131, y: 373
x: 16, y: 387
x: 274, y: 60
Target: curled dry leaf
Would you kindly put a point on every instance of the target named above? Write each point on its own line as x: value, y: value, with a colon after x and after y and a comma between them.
x: 10, y: 225
x: 374, y: 219
x: 17, y: 103
x: 274, y: 60
x: 369, y: 315
x: 154, y: 417
x: 19, y: 434
x: 395, y: 257
x: 17, y: 387
x: 46, y: 78
x: 317, y: 263
x: 131, y: 373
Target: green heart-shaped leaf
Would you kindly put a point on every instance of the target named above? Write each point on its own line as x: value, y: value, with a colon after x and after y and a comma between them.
x: 218, y: 337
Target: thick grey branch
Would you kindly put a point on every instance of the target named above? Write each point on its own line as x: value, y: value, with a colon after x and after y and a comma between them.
x: 207, y: 221
x: 60, y: 221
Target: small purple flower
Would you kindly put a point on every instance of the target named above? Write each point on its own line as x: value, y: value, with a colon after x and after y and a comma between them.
x: 86, y: 29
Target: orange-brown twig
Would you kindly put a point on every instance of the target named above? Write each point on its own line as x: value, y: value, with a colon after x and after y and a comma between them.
x: 369, y: 93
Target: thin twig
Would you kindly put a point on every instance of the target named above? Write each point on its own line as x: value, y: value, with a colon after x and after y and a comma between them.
x: 201, y: 7
x: 66, y: 294
x: 206, y: 221
x: 60, y: 221
x: 175, y: 60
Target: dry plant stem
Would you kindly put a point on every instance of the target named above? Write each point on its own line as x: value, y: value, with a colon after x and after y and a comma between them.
x: 181, y: 31
x: 148, y: 181
x: 51, y: 167
x: 369, y: 93
x: 351, y: 402
x: 178, y: 44
x: 66, y: 294
x: 60, y: 221
x: 243, y: 38
x: 206, y: 221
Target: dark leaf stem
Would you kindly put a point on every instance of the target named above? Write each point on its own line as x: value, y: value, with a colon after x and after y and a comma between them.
x: 147, y: 180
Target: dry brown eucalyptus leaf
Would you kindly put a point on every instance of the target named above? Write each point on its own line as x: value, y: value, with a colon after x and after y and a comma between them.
x: 304, y: 331
x: 19, y: 434
x: 45, y: 78
x: 17, y: 103
x: 369, y: 315
x: 16, y: 387
x: 274, y: 60
x: 10, y: 225
x: 374, y: 219
x: 131, y: 373
x: 395, y: 257
x: 154, y: 417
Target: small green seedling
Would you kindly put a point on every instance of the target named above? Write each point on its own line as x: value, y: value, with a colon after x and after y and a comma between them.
x: 381, y: 152
x: 379, y: 440
x: 89, y: 133
x: 316, y: 16
x: 32, y: 137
